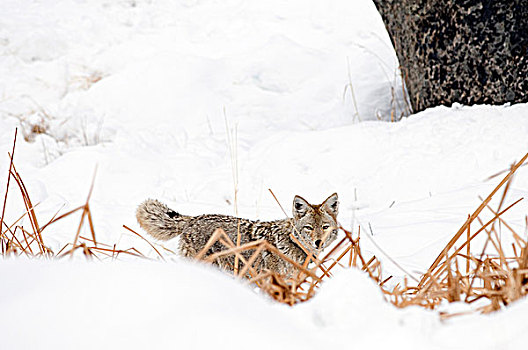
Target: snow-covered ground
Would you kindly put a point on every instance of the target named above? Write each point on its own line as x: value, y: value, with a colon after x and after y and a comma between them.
x: 146, y: 91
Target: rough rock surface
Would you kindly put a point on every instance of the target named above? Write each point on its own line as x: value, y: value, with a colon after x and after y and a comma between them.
x: 466, y: 51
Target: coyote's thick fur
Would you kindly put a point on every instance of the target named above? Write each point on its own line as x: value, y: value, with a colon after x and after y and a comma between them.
x: 314, y: 226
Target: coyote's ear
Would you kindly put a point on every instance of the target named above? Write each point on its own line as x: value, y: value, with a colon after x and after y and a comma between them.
x: 300, y: 207
x: 331, y: 204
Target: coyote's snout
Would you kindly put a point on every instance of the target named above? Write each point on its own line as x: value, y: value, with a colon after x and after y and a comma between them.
x: 313, y: 226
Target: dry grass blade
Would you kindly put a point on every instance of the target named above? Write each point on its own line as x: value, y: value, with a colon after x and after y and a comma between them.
x: 221, y: 237
x: 53, y: 220
x: 212, y: 240
x: 29, y: 207
x: 7, y: 184
x: 251, y: 260
x: 143, y: 238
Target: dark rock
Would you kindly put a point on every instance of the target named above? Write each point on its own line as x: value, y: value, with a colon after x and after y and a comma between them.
x: 465, y: 51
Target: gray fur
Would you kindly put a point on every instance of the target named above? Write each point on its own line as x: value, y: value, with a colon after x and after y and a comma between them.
x: 314, y: 226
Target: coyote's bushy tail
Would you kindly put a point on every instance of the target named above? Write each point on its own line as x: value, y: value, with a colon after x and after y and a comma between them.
x: 159, y: 220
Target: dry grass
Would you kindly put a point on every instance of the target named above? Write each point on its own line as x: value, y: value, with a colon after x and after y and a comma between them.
x: 302, y: 285
x: 17, y: 240
x: 489, y: 275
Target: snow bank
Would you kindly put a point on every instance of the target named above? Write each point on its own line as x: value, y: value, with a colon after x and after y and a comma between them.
x: 64, y: 305
x: 69, y: 305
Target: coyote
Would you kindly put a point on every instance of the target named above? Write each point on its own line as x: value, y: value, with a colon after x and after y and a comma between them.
x: 313, y: 226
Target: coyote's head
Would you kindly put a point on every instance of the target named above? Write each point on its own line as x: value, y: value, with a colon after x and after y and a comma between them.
x: 315, y: 226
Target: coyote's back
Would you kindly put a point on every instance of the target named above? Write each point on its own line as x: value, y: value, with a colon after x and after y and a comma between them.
x: 314, y: 226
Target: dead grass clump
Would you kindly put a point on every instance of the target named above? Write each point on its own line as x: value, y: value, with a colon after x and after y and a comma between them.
x: 308, y: 276
x: 17, y: 240
x: 490, y: 275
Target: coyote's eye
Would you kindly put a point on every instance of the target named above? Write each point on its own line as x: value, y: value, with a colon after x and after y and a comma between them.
x: 326, y: 227
x: 308, y: 228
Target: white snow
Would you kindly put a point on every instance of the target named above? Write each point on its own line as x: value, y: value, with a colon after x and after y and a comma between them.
x: 144, y: 91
